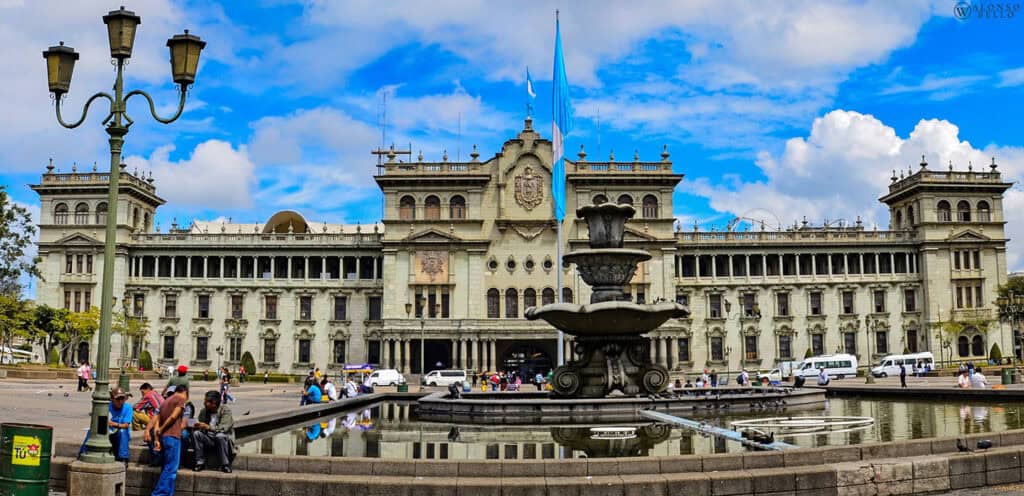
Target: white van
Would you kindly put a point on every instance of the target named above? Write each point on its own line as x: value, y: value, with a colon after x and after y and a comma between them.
x: 444, y: 377
x: 890, y: 365
x: 838, y: 366
x: 385, y: 377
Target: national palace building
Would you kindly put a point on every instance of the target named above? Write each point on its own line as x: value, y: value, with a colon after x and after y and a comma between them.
x: 465, y: 247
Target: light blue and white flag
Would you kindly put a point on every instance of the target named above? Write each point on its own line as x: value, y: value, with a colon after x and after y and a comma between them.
x: 530, y: 94
x: 561, y: 124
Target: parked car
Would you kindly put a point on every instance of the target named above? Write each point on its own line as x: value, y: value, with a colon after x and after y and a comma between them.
x: 890, y: 365
x: 385, y: 377
x: 837, y: 366
x: 444, y: 377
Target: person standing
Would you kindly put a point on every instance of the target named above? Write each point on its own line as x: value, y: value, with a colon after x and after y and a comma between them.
x: 146, y: 407
x: 214, y: 432
x: 180, y: 379
x: 903, y: 376
x: 170, y: 423
x: 743, y: 379
x: 714, y: 378
x: 538, y: 380
x: 241, y: 374
x: 119, y: 424
x: 266, y: 375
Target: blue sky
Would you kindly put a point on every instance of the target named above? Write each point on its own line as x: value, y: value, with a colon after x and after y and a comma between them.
x: 771, y: 112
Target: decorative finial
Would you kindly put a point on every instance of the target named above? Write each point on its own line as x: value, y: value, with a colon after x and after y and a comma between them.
x: 970, y: 166
x: 375, y: 228
x: 901, y: 174
x: 636, y: 155
x: 951, y: 166
x: 664, y: 153
x: 291, y: 227
x: 324, y: 227
x: 528, y: 124
x: 924, y: 163
x: 123, y: 166
x: 582, y: 154
x: 49, y: 168
x: 74, y: 166
x: 150, y: 179
x: 94, y: 166
x: 419, y: 158
x: 135, y: 172
x: 611, y: 155
x: 444, y: 157
x: 223, y: 227
x: 359, y: 228
x: 993, y: 166
x: 893, y: 175
x: 859, y: 222
x: 804, y: 222
x: 256, y: 228
x: 391, y: 154
x: 474, y: 155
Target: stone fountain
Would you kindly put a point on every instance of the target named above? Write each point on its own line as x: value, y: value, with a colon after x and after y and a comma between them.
x: 614, y: 355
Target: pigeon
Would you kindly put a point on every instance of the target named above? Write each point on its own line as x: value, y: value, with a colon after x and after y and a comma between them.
x: 60, y: 386
x: 67, y: 395
x: 247, y: 412
x: 961, y: 446
x: 49, y: 394
x: 984, y: 444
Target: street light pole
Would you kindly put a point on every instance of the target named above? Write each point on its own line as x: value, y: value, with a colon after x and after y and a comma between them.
x: 60, y: 61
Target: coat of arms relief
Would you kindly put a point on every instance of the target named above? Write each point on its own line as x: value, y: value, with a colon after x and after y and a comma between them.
x: 529, y: 189
x: 433, y: 265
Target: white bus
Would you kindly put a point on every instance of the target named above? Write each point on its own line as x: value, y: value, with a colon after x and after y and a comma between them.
x: 890, y: 365
x: 837, y: 366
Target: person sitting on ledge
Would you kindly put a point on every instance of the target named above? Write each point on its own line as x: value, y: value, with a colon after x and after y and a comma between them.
x: 313, y: 394
x: 963, y: 381
x: 978, y: 380
x: 213, y: 432
x: 146, y: 408
x: 119, y: 425
x: 822, y: 377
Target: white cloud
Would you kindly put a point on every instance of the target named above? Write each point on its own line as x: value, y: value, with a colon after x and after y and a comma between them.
x: 844, y: 165
x: 216, y: 175
x: 938, y: 87
x: 1011, y: 77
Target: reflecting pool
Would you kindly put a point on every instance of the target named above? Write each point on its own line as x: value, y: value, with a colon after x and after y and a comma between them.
x: 391, y: 430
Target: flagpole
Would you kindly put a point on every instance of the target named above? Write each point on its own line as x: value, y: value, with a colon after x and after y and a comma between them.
x: 558, y: 284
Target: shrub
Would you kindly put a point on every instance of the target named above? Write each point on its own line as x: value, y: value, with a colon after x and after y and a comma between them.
x: 54, y: 359
x: 995, y: 353
x: 146, y: 360
x: 248, y: 363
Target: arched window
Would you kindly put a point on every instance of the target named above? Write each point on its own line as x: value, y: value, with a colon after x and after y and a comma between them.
x: 60, y: 214
x: 963, y: 211
x: 147, y: 221
x: 977, y: 346
x: 625, y: 200
x: 81, y: 213
x: 511, y: 303
x: 529, y: 298
x: 963, y: 346
x: 599, y: 199
x: 566, y: 295
x: 407, y: 208
x: 984, y: 214
x: 432, y: 208
x: 910, y: 216
x: 898, y: 220
x: 547, y: 296
x: 493, y: 298
x: 457, y: 207
x: 943, y: 209
x: 135, y: 217
x: 101, y: 213
x: 650, y: 207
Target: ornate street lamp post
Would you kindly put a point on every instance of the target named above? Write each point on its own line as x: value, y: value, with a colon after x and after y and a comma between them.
x: 60, y: 63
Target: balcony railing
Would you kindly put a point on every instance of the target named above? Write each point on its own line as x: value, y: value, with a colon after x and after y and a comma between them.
x: 291, y: 239
x: 929, y: 176
x: 94, y: 178
x: 797, y: 236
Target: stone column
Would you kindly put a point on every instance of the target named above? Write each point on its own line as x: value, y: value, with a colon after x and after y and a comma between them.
x: 714, y: 266
x: 385, y: 352
x: 375, y: 267
x: 472, y: 365
x: 673, y: 357
x: 463, y: 363
x: 878, y: 269
x: 305, y: 267
x: 273, y: 268
x: 654, y: 350
x: 696, y: 267
x: 830, y: 268
x: 188, y: 267
x: 746, y: 260
x: 289, y: 275
x: 206, y: 267
x: 255, y: 268
x: 359, y: 267
x: 407, y: 356
x: 764, y: 266
x: 730, y: 268
x: 662, y: 352
x: 238, y: 267
x: 494, y: 354
x: 172, y: 267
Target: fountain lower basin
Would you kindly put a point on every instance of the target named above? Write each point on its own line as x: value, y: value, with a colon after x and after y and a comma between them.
x: 608, y: 318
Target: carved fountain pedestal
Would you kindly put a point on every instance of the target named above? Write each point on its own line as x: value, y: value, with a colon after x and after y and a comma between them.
x: 613, y: 353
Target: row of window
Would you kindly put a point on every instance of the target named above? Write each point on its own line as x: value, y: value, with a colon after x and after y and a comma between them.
x: 266, y: 267
x: 61, y: 213
x: 969, y: 295
x: 511, y: 301
x: 305, y: 304
x: 648, y: 208
x: 303, y: 351
x: 511, y: 264
x: 77, y: 263
x: 719, y: 307
x: 431, y: 208
x: 963, y: 212
x: 967, y: 257
x: 77, y: 301
x: 795, y: 264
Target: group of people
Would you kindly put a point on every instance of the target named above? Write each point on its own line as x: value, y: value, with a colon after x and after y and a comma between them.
x: 172, y: 428
x: 84, y: 373
x: 969, y: 377
x: 318, y: 388
x: 509, y: 381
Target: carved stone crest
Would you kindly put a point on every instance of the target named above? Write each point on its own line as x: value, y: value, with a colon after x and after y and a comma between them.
x: 432, y: 263
x: 529, y: 189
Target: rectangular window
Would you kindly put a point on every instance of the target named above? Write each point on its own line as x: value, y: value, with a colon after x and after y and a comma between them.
x: 782, y: 304
x: 748, y: 304
x: 304, y: 345
x: 977, y: 259
x: 138, y: 305
x: 641, y: 296
x: 786, y: 347
x: 431, y: 303
x: 87, y: 299
x: 88, y: 264
x: 202, y: 342
x: 340, y: 309
x: 967, y: 259
x: 78, y: 301
x: 850, y: 342
x: 684, y: 349
x: 716, y: 349
x: 446, y: 302
x: 879, y: 296
x: 817, y: 344
x: 204, y: 307
x: 171, y: 306
x: 959, y: 297
x: 168, y: 347
x: 339, y: 351
x: 969, y: 296
x: 816, y: 303
x: 374, y: 307
x: 69, y: 264
x: 750, y: 347
x: 236, y: 306
x: 848, y: 302
x: 977, y: 298
x: 909, y: 300
x: 881, y: 343
x: 235, y: 349
x: 683, y: 299
x: 270, y: 307
x: 270, y: 350
x: 956, y: 260
x: 305, y: 308
x: 78, y: 263
x: 715, y: 306
x: 67, y: 300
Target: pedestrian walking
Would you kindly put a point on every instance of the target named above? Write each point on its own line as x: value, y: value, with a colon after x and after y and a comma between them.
x: 266, y: 376
x: 170, y: 423
x: 903, y: 376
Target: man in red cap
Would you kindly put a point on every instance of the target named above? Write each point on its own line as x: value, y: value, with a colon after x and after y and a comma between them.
x: 177, y: 380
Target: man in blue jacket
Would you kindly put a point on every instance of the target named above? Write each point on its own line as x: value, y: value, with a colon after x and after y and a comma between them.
x: 120, y: 423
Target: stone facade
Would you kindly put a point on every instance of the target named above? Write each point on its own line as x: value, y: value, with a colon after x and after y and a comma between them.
x: 465, y: 247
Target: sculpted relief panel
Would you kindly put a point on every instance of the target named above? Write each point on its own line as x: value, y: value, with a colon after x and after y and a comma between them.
x: 431, y: 266
x: 529, y: 189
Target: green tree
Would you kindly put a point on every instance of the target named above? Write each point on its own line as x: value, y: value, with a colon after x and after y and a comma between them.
x: 15, y: 319
x: 50, y: 327
x: 249, y: 363
x: 146, y: 360
x: 995, y: 353
x: 1014, y: 285
x: 131, y: 329
x: 82, y: 326
x: 16, y: 233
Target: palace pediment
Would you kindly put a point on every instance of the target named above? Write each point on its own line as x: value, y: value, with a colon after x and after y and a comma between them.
x: 635, y: 235
x: 431, y: 236
x: 79, y: 239
x: 969, y: 235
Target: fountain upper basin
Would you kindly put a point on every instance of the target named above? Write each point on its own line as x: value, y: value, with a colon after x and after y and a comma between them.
x: 607, y: 318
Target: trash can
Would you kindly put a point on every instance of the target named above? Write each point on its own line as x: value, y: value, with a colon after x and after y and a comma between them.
x: 25, y: 459
x: 403, y: 388
x: 1007, y: 376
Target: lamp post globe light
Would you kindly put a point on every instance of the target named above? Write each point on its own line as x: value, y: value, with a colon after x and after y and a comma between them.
x: 60, y: 64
